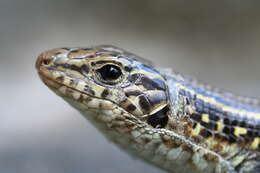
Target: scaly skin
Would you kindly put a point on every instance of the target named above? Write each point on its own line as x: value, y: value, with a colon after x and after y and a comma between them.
x: 157, y: 115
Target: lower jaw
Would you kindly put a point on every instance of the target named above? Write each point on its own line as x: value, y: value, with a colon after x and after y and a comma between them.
x: 50, y: 83
x: 47, y: 79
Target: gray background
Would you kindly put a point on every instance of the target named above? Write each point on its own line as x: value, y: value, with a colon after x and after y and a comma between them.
x: 216, y: 41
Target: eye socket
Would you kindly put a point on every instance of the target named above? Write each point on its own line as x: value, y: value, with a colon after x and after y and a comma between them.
x: 110, y: 73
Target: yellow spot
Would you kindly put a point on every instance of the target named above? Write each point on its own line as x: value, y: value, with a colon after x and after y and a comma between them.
x: 220, y: 126
x: 205, y: 118
x: 255, y: 143
x: 197, y: 129
x: 240, y: 131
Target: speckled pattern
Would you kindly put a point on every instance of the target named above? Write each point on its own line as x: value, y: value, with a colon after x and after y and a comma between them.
x: 155, y: 114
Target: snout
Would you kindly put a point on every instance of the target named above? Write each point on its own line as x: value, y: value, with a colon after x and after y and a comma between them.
x: 43, y: 60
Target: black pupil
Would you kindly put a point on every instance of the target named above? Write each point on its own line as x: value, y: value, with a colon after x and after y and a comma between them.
x: 110, y: 72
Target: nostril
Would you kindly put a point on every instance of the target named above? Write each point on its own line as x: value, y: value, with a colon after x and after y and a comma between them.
x: 43, y: 60
x: 46, y: 61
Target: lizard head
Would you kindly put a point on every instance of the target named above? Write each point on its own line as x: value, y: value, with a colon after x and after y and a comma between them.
x: 106, y: 81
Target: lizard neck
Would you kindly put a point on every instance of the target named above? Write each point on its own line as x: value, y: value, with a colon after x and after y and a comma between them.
x: 213, y: 118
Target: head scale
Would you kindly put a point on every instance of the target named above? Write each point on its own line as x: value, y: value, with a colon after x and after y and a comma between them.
x: 105, y: 77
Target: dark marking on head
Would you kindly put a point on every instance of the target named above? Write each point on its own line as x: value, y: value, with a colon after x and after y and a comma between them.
x: 157, y: 97
x: 131, y: 108
x: 128, y: 105
x: 105, y: 93
x: 152, y: 84
x: 86, y: 88
x: 144, y: 104
x: 67, y: 66
x: 89, y: 90
x: 135, y: 77
x: 75, y: 68
x: 128, y: 68
x: 133, y: 93
x: 72, y: 81
x: 71, y: 67
x: 84, y: 69
x: 160, y: 118
x: 108, y: 62
x: 146, y: 82
x: 187, y: 100
x: 93, y: 63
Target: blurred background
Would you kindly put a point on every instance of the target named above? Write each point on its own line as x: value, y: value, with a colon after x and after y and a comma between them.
x: 215, y: 41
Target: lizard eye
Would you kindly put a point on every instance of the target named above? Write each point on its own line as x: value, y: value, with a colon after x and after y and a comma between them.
x: 109, y: 73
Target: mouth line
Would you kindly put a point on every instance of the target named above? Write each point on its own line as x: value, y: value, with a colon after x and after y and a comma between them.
x: 46, y: 78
